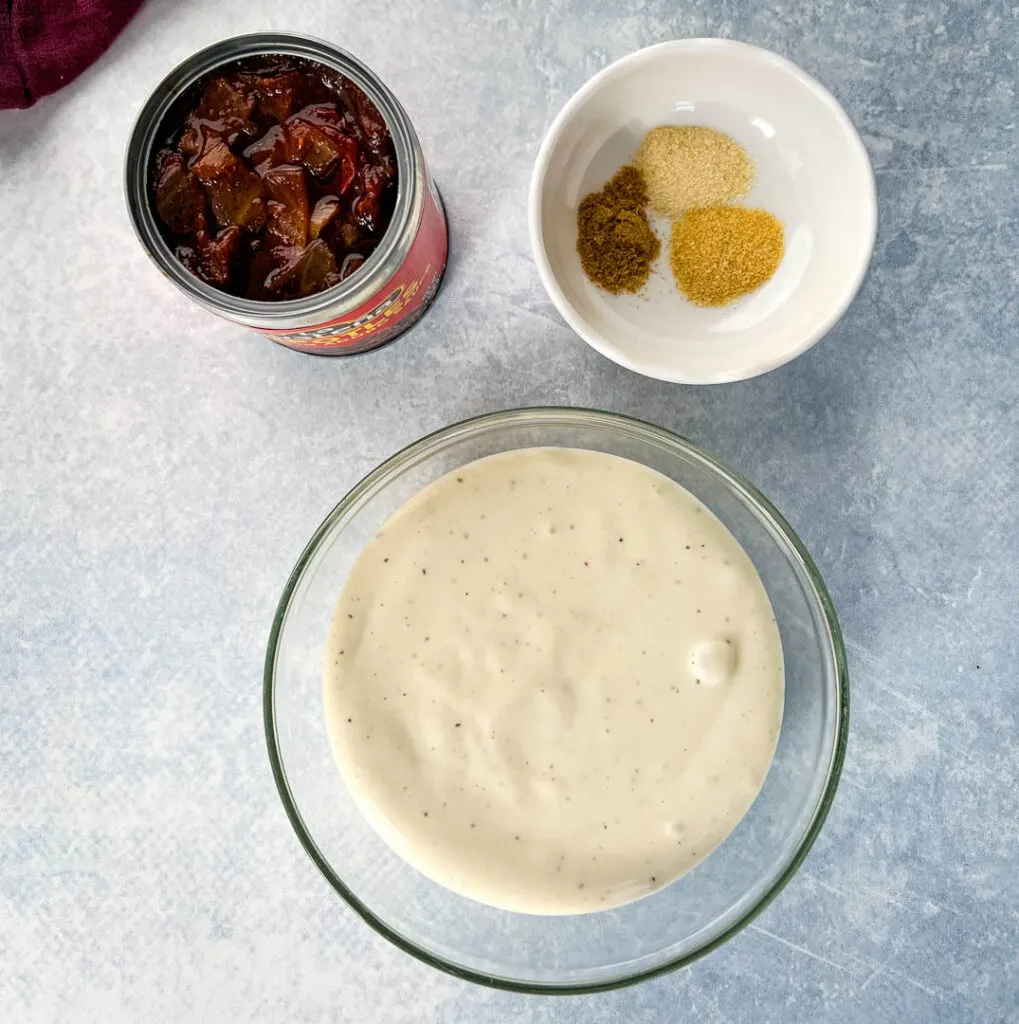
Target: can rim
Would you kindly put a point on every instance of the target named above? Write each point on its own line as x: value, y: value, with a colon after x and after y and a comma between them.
x: 287, y: 313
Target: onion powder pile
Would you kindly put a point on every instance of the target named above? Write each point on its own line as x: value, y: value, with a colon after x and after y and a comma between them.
x: 685, y: 166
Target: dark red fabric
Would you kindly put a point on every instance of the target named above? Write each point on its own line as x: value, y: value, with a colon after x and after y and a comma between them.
x: 44, y: 44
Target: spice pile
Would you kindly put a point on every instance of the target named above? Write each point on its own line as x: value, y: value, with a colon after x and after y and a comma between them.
x: 688, y: 166
x: 719, y: 253
x: 615, y: 240
x: 691, y: 175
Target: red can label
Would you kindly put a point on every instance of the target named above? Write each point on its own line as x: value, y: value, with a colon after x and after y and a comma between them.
x: 395, y: 307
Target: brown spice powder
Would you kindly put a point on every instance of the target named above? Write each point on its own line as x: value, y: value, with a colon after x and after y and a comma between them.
x: 614, y: 239
x: 719, y: 253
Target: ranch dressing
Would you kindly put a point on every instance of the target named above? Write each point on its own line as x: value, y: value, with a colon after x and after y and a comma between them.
x: 553, y: 681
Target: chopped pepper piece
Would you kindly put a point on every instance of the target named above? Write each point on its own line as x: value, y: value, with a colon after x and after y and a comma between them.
x: 304, y: 271
x: 323, y: 215
x: 288, y: 207
x: 180, y: 201
x: 235, y: 193
x: 224, y: 110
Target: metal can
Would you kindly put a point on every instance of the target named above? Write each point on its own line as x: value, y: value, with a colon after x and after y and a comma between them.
x: 384, y: 297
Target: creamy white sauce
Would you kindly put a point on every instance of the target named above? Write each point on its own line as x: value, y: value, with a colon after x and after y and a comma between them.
x: 553, y: 681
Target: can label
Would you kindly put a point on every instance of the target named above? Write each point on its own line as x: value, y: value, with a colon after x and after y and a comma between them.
x: 395, y: 307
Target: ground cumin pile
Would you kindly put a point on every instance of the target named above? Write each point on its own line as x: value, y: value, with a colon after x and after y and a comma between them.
x: 614, y: 239
x: 719, y: 253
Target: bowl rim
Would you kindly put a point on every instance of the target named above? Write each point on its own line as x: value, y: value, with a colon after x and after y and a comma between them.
x: 598, y: 341
x: 557, y: 415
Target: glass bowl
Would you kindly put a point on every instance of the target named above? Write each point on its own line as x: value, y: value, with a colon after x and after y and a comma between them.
x: 586, y: 952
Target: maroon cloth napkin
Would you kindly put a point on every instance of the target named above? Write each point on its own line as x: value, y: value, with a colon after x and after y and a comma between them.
x: 44, y: 44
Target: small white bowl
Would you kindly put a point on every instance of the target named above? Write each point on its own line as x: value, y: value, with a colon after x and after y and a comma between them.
x: 813, y: 173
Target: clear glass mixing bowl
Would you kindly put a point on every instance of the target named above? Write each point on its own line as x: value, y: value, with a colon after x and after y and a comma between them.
x: 665, y: 929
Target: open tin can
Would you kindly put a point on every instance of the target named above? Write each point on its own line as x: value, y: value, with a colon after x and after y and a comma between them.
x: 387, y: 295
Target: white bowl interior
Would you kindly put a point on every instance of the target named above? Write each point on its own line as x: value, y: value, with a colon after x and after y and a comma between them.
x: 813, y: 173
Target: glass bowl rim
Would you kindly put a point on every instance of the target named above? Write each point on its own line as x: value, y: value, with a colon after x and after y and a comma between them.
x: 572, y: 416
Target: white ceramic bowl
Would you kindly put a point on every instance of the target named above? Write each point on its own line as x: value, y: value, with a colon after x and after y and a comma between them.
x: 813, y: 173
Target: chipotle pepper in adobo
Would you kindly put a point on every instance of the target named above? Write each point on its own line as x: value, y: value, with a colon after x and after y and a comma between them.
x: 280, y: 182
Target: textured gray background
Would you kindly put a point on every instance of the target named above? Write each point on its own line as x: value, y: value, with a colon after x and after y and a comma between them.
x: 160, y: 471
